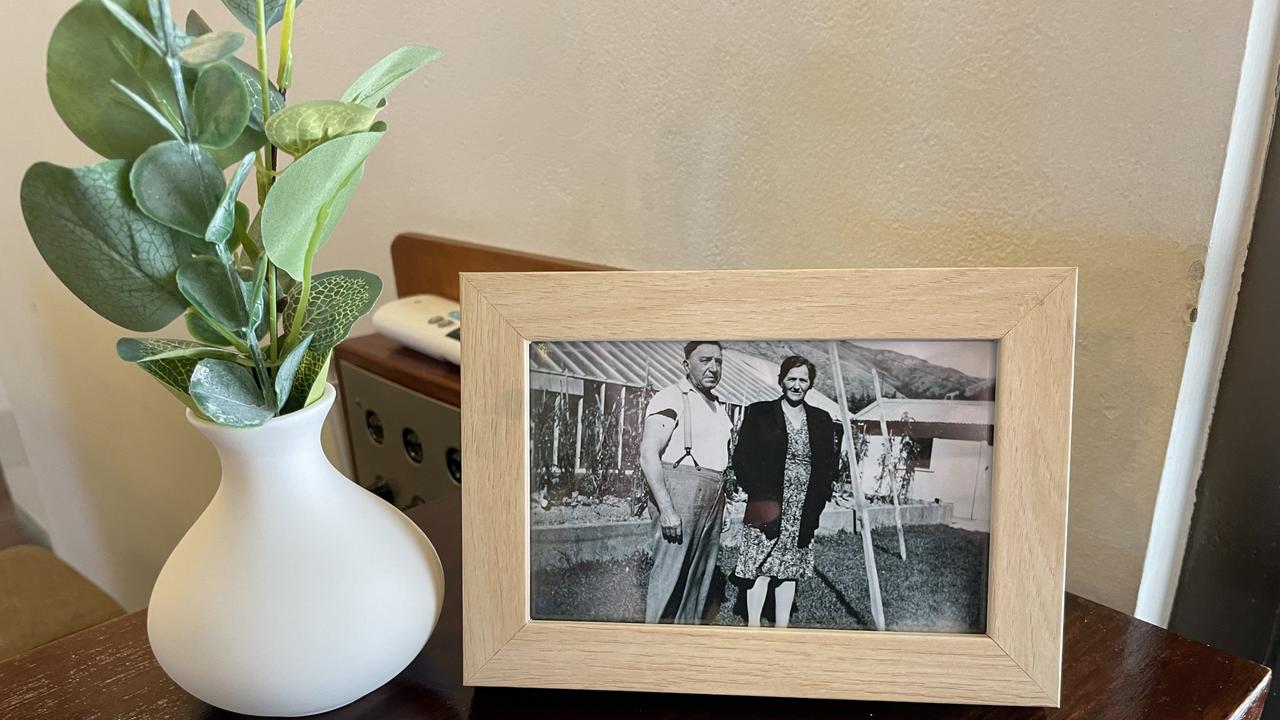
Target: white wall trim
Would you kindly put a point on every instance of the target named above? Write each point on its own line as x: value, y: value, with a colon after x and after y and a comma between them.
x: 1251, y: 123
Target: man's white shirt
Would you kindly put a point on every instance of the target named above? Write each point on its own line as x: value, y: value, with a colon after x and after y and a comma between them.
x: 710, y: 421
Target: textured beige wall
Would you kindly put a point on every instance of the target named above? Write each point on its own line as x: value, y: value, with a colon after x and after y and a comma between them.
x: 710, y: 134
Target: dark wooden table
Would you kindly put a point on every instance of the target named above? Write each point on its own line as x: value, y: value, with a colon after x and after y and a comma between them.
x: 1114, y: 667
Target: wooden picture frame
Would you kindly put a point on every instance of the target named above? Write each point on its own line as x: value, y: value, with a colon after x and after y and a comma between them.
x: 1029, y: 311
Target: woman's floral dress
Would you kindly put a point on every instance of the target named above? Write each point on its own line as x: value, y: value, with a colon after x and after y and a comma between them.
x: 781, y: 557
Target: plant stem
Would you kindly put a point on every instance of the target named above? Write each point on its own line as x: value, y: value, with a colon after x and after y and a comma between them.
x: 250, y: 345
x: 266, y: 178
x: 264, y: 79
x: 164, y: 29
x: 273, y: 321
x: 264, y: 375
x: 237, y: 343
x: 284, y: 77
x: 304, y: 298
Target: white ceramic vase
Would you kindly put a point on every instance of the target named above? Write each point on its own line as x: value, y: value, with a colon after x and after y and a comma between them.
x: 296, y: 591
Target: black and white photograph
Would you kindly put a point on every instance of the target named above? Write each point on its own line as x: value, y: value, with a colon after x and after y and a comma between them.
x: 766, y: 483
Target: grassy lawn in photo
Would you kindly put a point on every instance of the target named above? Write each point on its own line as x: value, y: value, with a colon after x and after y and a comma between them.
x: 941, y: 587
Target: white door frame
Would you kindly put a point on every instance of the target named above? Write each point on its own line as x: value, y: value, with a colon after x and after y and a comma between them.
x: 1251, y: 125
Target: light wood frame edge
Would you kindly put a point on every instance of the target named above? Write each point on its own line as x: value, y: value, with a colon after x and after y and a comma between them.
x: 1018, y: 662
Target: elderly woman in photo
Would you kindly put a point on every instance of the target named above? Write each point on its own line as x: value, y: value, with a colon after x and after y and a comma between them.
x: 786, y: 460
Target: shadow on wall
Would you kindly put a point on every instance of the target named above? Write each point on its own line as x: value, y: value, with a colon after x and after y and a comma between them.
x: 131, y: 473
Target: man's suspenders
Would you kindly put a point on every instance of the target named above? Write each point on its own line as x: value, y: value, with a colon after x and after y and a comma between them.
x: 687, y: 421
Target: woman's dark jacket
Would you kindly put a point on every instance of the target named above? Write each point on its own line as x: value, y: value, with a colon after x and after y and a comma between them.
x: 761, y: 454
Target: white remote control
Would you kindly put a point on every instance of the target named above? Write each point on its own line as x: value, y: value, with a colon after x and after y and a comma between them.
x: 430, y: 324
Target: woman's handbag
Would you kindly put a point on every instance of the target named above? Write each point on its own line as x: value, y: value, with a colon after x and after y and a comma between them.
x: 764, y: 515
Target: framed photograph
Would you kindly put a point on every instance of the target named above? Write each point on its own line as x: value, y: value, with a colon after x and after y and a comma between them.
x: 808, y: 483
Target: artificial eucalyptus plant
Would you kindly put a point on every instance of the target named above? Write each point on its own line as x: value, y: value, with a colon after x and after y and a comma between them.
x: 156, y: 231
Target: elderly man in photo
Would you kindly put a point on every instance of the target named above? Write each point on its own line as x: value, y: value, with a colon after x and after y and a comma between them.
x: 683, y: 452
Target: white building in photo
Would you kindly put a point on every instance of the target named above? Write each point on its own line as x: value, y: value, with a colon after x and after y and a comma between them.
x: 956, y: 441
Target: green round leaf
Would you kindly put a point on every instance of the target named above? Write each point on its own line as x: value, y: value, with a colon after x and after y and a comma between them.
x: 115, y: 259
x: 136, y: 350
x: 221, y: 105
x: 288, y: 370
x: 223, y: 223
x: 308, y: 199
x: 197, y: 27
x: 228, y: 395
x: 178, y: 185
x: 253, y: 81
x: 90, y: 48
x: 249, y: 142
x: 338, y: 299
x: 372, y: 87
x: 174, y: 373
x: 254, y: 286
x: 308, y: 380
x: 210, y: 48
x: 201, y: 330
x: 240, y: 233
x: 299, y: 128
x: 206, y: 284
